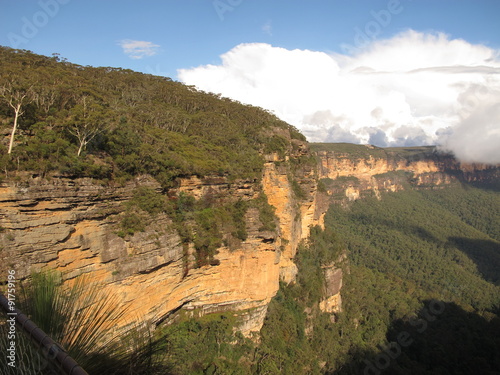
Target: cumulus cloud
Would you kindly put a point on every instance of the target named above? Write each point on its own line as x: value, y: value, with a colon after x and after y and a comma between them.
x: 412, y: 89
x: 137, y: 49
x: 477, y: 135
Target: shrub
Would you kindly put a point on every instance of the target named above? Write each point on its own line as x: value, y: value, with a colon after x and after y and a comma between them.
x: 132, y: 222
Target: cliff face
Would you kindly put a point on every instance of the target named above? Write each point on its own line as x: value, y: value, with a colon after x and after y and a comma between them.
x: 72, y: 225
x: 350, y: 176
x: 333, y: 273
x: 293, y: 193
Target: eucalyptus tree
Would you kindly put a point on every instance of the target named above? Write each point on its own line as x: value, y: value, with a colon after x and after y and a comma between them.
x: 17, y: 94
x: 88, y: 119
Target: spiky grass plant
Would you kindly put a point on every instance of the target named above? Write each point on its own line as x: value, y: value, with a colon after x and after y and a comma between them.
x: 82, y: 318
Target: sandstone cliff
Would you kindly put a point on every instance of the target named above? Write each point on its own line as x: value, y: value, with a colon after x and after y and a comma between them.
x: 333, y: 273
x: 350, y: 172
x: 71, y: 225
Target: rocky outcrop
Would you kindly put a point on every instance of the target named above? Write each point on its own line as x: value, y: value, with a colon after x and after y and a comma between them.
x: 73, y: 226
x: 368, y: 170
x: 333, y: 275
x: 292, y: 192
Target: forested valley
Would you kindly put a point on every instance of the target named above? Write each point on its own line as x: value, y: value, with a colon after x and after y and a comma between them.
x: 421, y: 295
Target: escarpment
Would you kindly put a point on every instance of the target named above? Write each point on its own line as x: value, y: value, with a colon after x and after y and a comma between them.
x: 197, y: 203
x: 291, y: 189
x: 350, y: 172
x: 75, y: 226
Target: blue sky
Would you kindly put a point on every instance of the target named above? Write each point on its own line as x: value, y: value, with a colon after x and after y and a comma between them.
x: 195, y: 32
x: 385, y: 72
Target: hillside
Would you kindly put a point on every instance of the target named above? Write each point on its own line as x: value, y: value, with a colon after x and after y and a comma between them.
x: 412, y: 248
x: 111, y: 123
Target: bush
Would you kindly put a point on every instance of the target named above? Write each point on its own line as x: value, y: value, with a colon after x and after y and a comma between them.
x: 132, y: 223
x: 267, y: 215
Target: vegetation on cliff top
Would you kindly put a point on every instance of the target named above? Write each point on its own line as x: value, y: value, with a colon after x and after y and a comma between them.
x: 112, y: 123
x: 354, y: 151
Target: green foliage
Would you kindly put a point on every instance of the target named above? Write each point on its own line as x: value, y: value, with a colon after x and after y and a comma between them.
x: 324, y: 248
x: 321, y: 186
x: 285, y: 348
x: 296, y: 134
x: 409, y: 248
x: 297, y: 189
x: 344, y: 179
x: 238, y: 211
x: 324, y: 184
x: 414, y: 238
x: 475, y: 207
x: 207, y: 235
x: 148, y: 200
x: 81, y: 319
x: 131, y: 223
x: 215, y: 224
x: 267, y: 216
x: 111, y: 123
x: 296, y: 337
x: 207, y: 345
x: 276, y: 144
x: 145, y: 204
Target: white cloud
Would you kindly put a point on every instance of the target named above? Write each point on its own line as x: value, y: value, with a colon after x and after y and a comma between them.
x: 137, y: 49
x: 412, y: 89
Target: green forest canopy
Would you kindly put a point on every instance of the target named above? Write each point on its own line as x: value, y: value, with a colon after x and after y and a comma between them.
x: 113, y: 123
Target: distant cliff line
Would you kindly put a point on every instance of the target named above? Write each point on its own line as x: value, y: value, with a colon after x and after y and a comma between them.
x: 348, y: 172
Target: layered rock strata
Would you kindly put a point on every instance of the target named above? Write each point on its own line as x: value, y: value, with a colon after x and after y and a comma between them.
x: 72, y: 226
x: 349, y: 176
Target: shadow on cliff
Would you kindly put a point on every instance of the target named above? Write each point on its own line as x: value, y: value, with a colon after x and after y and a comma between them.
x: 442, y: 339
x: 484, y: 253
x: 484, y: 182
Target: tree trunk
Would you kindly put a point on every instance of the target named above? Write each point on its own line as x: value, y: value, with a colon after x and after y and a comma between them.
x: 17, y: 109
x: 82, y: 144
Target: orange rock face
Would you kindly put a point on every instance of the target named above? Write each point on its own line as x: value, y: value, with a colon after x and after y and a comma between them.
x: 364, y: 174
x: 71, y: 226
